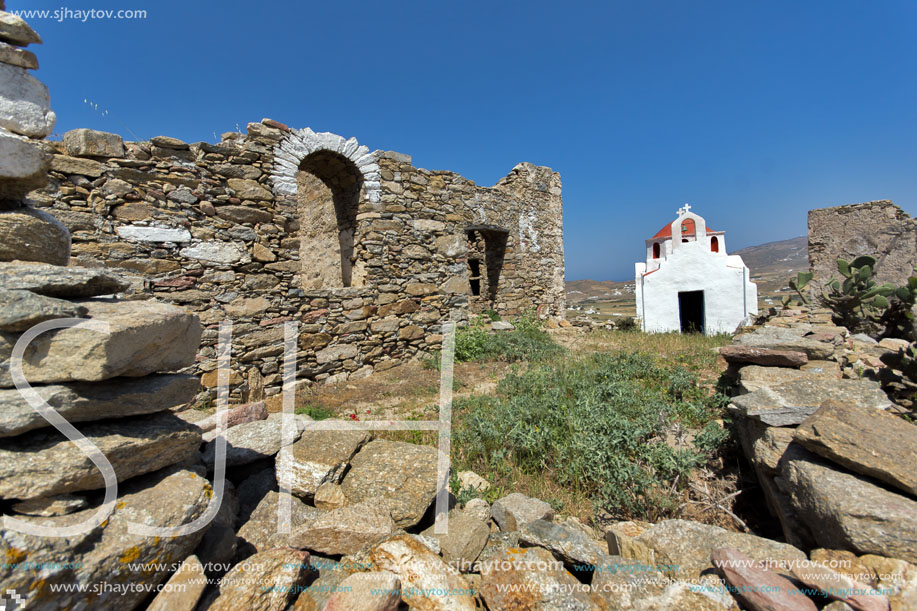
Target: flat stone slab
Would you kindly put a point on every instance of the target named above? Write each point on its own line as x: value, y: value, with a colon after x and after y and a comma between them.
x: 402, y: 474
x: 27, y: 234
x: 250, y: 441
x: 792, y: 402
x: 571, y: 545
x: 56, y: 281
x: 346, y: 530
x: 261, y: 530
x: 20, y: 310
x: 755, y: 377
x: 318, y: 457
x: 144, y: 337
x: 775, y: 338
x: 86, y: 402
x: 99, y: 559
x: 847, y: 511
x: 870, y: 442
x: 681, y: 548
x: 763, y: 356
x: 42, y: 463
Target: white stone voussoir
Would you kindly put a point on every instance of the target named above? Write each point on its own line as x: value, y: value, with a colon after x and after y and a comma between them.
x: 300, y: 143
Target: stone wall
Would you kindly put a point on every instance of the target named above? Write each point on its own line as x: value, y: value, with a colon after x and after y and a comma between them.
x: 367, y: 252
x: 874, y: 228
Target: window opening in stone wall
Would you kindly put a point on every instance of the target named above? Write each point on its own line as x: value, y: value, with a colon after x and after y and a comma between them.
x: 487, y: 244
x: 474, y: 276
x: 328, y: 195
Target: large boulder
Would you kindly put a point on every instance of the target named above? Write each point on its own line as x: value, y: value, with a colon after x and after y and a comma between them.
x: 24, y: 165
x: 27, y: 234
x: 88, y: 401
x: 533, y: 579
x: 268, y: 581
x: 261, y: 530
x: 401, y: 474
x: 847, y: 511
x: 792, y: 402
x: 868, y: 441
x: 318, y: 457
x: 25, y: 105
x: 463, y: 541
x: 91, y: 143
x: 44, y: 462
x: 144, y: 337
x: 515, y: 510
x: 346, y: 530
x: 428, y: 583
x: 681, y: 548
x: 373, y: 591
x: 64, y: 282
x: 572, y: 545
x: 108, y: 567
x: 755, y: 586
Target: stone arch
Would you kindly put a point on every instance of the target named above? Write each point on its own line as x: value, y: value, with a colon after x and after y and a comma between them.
x: 298, y: 144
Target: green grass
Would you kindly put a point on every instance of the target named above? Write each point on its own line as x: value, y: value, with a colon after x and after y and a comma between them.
x: 314, y: 412
x: 596, y: 426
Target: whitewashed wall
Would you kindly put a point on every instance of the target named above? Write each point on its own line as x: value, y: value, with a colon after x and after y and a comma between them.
x: 729, y: 295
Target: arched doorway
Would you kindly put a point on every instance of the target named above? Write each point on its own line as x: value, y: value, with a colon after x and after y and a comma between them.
x: 328, y: 194
x: 714, y: 244
x: 656, y: 250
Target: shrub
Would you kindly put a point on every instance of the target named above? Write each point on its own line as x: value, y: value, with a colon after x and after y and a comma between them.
x: 626, y: 323
x: 597, y: 425
x: 862, y: 305
x: 314, y: 412
x: 526, y: 342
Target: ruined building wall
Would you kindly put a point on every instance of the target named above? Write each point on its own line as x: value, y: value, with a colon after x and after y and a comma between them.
x: 874, y: 228
x: 368, y: 253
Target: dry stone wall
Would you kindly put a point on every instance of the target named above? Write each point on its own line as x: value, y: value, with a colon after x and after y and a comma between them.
x: 368, y: 253
x: 874, y: 228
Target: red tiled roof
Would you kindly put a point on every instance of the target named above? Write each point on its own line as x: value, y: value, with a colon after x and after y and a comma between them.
x: 666, y: 232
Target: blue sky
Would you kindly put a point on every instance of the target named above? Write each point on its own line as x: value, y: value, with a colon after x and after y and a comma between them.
x: 752, y: 111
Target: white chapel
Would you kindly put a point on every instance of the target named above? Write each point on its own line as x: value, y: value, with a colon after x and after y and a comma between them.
x: 688, y: 283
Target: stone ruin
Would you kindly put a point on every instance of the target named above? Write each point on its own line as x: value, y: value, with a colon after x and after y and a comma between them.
x: 367, y: 252
x: 874, y: 228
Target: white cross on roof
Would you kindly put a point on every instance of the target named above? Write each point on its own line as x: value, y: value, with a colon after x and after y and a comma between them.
x: 684, y: 210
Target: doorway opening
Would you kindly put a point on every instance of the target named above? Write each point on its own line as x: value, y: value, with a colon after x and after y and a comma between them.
x: 486, y: 245
x: 328, y: 196
x: 691, y: 311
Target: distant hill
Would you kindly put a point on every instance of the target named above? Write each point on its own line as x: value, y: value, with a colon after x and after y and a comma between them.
x: 771, y: 266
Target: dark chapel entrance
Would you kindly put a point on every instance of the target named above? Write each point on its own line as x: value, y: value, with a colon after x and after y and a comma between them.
x: 691, y: 311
